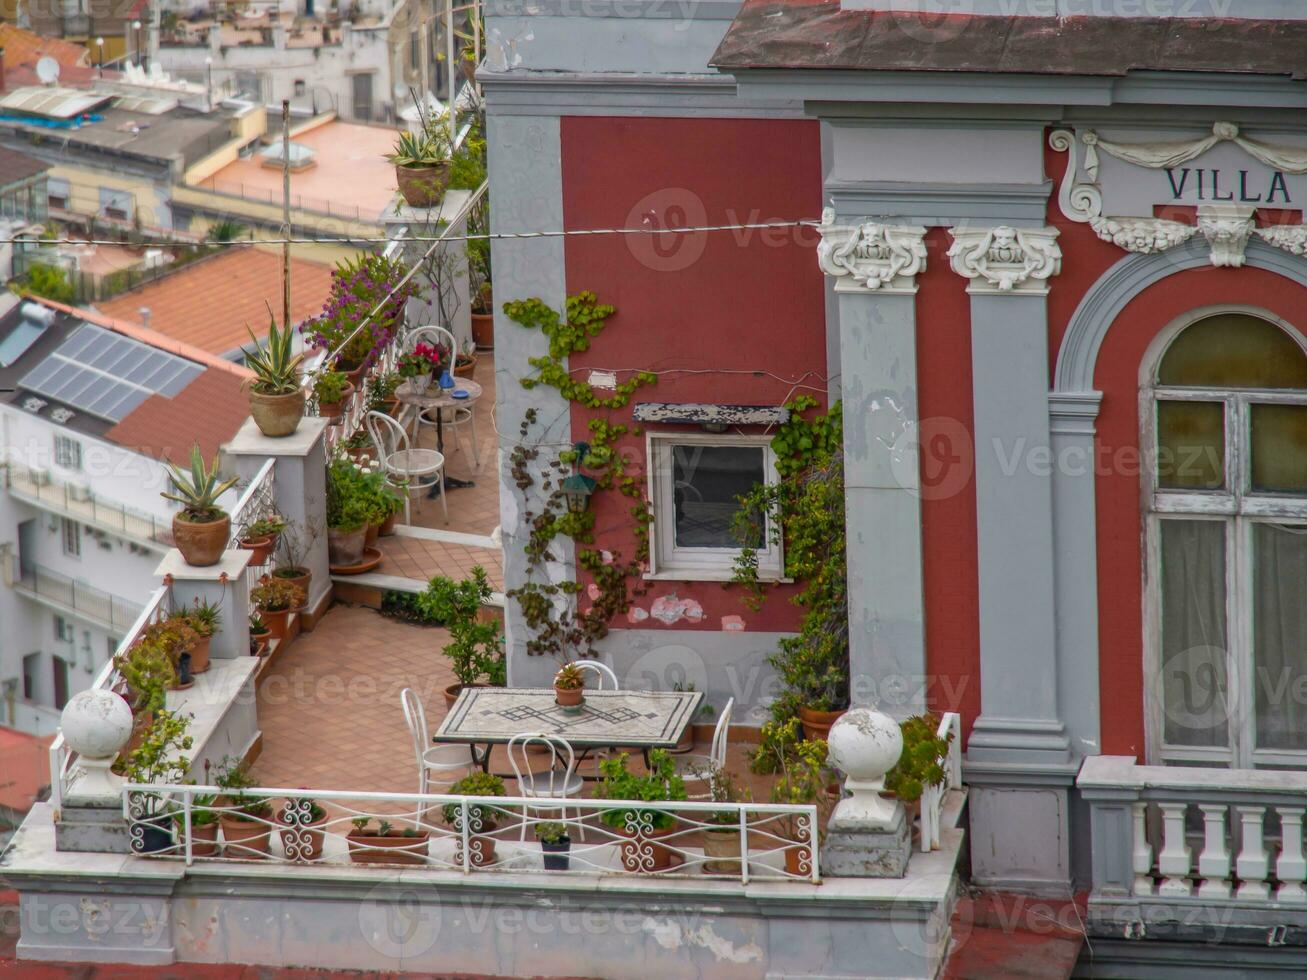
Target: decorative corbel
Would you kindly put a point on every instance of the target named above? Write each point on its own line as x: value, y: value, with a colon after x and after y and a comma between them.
x: 1005, y: 259
x: 871, y: 257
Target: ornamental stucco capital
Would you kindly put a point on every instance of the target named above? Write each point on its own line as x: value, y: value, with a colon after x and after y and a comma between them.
x: 1006, y: 260
x: 871, y: 257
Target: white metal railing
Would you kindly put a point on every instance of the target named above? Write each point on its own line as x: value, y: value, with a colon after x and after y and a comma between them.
x: 257, y: 501
x: 473, y: 834
x: 62, y: 758
x: 78, y: 502
x: 76, y: 599
x: 932, y: 799
x: 1218, y: 835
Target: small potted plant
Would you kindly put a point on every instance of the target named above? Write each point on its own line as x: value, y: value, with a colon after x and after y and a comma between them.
x: 276, y: 398
x: 201, y: 528
x: 293, y: 545
x: 476, y: 641
x: 275, y: 599
x: 554, y: 845
x: 381, y: 393
x: 202, y: 617
x: 302, y: 836
x: 204, y: 825
x: 465, y: 364
x: 921, y: 764
x: 642, y: 827
x: 247, y: 819
x: 175, y: 637
x: 158, y: 759
x: 261, y: 538
x: 482, y: 819
x: 260, y: 635
x: 333, y: 391
x: 721, y: 838
x: 422, y: 165
x: 386, y: 844
x: 569, y: 686
x: 149, y: 673
x: 803, y: 780
x: 348, y: 513
x: 422, y: 365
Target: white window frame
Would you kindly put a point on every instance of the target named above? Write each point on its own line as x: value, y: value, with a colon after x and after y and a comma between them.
x: 67, y: 452
x: 71, y: 533
x: 666, y: 560
x: 1238, y: 509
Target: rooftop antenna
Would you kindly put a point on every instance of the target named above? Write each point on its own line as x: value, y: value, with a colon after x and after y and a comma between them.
x: 47, y: 70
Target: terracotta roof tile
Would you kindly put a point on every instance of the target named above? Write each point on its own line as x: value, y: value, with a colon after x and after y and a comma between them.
x: 209, y: 303
x: 26, y: 48
x: 24, y: 768
x: 207, y: 412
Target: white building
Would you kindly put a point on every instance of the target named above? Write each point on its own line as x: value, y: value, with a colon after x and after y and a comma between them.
x: 89, y: 410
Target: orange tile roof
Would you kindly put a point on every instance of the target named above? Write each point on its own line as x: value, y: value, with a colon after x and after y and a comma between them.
x: 209, y: 303
x: 26, y: 48
x: 24, y: 768
x: 207, y: 412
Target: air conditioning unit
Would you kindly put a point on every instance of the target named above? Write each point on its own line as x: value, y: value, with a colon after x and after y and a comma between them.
x: 79, y: 493
x: 40, y: 476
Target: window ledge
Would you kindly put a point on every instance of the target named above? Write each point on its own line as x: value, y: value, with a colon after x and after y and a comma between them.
x: 710, y: 575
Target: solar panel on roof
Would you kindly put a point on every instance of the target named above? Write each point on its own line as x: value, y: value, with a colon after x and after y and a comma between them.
x: 107, y: 375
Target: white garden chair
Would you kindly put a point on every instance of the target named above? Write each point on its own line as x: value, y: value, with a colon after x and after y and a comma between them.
x: 456, y: 417
x: 699, y: 768
x: 411, y: 469
x: 607, y: 679
x: 557, y: 782
x: 445, y: 758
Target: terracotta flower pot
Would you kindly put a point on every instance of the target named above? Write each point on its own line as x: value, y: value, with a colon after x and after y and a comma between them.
x: 721, y: 848
x: 568, y: 697
x: 643, y: 853
x: 276, y: 620
x: 353, y: 375
x: 200, y: 655
x: 260, y: 548
x: 422, y: 187
x: 346, y: 547
x: 798, y: 860
x: 333, y: 410
x: 277, y: 416
x: 454, y: 690
x: 245, y: 838
x: 301, y: 577
x: 204, y: 839
x: 391, y: 849
x: 387, y: 526
x: 259, y: 644
x: 483, y: 331
x: 201, y: 542
x: 303, y: 842
x: 374, y: 530
x: 482, y: 851
x: 816, y: 724
x: 465, y: 367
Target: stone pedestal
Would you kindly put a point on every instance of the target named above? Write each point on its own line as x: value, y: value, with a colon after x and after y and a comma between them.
x: 225, y: 585
x: 92, y: 825
x: 864, y: 849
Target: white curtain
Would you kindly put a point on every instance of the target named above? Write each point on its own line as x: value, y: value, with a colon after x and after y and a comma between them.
x: 1280, y: 634
x: 1195, y: 681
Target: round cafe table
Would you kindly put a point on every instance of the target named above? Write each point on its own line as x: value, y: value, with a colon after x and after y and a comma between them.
x: 436, y: 397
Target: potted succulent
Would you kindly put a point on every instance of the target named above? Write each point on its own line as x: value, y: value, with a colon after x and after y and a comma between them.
x: 204, y: 825
x: 302, y: 835
x: 386, y: 844
x: 333, y: 391
x: 922, y: 762
x: 148, y: 672
x: 158, y: 759
x: 348, y: 512
x: 422, y: 165
x: 276, y: 397
x: 644, y: 826
x: 176, y: 638
x: 476, y: 641
x: 247, y: 819
x: 275, y: 599
x: 200, y: 529
x: 554, y: 845
x: 261, y: 538
x: 482, y: 819
x: 202, y: 617
x: 260, y: 635
x: 721, y: 838
x: 569, y: 686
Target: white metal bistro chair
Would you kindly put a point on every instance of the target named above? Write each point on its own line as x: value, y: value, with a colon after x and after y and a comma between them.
x: 557, y: 782
x: 445, y: 758
x: 699, y: 768
x: 453, y: 418
x: 607, y: 679
x: 414, y: 469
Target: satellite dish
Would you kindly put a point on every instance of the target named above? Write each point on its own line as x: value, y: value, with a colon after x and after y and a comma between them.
x: 47, y: 70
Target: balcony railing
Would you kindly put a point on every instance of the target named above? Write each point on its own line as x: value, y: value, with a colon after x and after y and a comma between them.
x: 83, y: 601
x: 933, y: 797
x: 39, y: 487
x: 474, y: 834
x: 1170, y: 842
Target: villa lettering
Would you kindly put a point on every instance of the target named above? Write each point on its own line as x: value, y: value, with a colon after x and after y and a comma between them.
x: 1214, y: 184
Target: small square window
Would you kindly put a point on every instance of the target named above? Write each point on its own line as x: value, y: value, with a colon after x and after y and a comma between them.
x: 67, y: 453
x: 695, y: 485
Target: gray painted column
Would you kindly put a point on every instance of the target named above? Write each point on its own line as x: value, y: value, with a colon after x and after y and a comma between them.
x: 875, y: 268
x: 526, y: 188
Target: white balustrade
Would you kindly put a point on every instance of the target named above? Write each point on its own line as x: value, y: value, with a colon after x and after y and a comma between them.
x: 1214, y: 862
x: 1174, y: 859
x: 1291, y: 868
x: 1253, y: 865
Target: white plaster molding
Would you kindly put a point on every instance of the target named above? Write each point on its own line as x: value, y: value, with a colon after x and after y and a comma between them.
x: 1290, y: 238
x: 871, y: 257
x: 1080, y: 202
x: 1006, y: 260
x: 1227, y: 228
x: 1143, y: 235
x: 1159, y: 155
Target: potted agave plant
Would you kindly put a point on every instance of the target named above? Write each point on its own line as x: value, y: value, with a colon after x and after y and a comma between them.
x: 260, y: 635
x: 201, y: 528
x: 422, y: 165
x: 569, y: 686
x: 276, y: 398
x: 203, y: 618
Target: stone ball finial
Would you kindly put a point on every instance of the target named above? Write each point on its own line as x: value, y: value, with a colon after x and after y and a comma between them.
x: 864, y: 744
x: 96, y: 723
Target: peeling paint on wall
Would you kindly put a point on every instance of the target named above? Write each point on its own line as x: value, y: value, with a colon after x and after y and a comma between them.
x: 732, y: 623
x: 671, y: 609
x: 670, y: 935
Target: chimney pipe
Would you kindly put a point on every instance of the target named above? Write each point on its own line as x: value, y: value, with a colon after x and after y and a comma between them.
x: 144, y: 313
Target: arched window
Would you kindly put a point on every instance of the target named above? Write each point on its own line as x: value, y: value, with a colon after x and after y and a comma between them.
x: 1225, y: 414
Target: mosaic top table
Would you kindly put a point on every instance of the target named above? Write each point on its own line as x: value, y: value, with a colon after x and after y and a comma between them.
x: 637, y: 719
